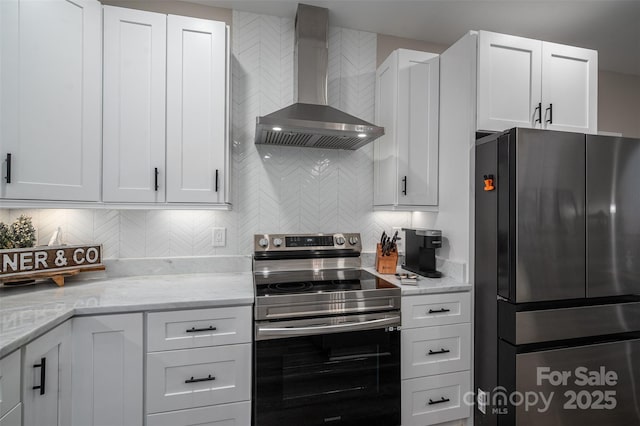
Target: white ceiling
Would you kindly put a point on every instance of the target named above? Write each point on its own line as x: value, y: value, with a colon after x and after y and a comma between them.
x: 610, y: 26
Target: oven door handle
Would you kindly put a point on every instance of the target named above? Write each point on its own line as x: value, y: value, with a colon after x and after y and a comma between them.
x: 272, y: 332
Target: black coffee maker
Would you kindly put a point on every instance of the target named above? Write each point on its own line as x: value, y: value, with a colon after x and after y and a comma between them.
x: 420, y: 251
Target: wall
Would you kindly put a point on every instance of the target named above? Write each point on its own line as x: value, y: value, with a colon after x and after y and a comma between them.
x: 274, y: 189
x: 619, y: 103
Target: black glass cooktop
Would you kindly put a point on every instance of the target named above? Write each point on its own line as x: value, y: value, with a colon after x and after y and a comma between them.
x: 324, y: 281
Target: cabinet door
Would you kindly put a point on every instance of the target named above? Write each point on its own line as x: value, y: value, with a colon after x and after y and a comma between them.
x: 107, y: 370
x: 417, y: 133
x: 134, y: 105
x: 51, y: 99
x: 47, y: 365
x: 509, y: 75
x: 197, y: 129
x: 569, y: 88
x: 385, y: 151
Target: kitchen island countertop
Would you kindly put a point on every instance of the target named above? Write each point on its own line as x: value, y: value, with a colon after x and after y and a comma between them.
x: 28, y: 312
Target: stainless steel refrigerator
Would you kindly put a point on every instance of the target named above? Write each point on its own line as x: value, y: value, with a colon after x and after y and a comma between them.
x: 557, y: 276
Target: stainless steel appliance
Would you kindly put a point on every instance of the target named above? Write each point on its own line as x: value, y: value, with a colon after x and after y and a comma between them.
x: 327, y: 339
x: 311, y: 122
x: 557, y: 278
x: 420, y: 251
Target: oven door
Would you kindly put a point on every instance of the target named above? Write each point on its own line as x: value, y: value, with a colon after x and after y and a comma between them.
x: 328, y: 371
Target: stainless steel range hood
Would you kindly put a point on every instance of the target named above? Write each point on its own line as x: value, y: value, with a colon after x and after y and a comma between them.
x: 311, y: 122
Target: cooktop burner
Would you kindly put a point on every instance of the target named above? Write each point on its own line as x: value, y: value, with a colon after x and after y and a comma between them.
x: 325, y: 281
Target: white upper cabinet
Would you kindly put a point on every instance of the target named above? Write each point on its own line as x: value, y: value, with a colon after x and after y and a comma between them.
x: 569, y: 88
x: 197, y: 99
x: 509, y: 81
x: 535, y: 84
x: 166, y: 121
x: 51, y: 96
x: 134, y: 105
x: 407, y: 106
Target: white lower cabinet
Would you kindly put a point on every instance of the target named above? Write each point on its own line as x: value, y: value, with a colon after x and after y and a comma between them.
x: 198, y: 377
x: 13, y: 417
x: 9, y: 383
x: 236, y: 414
x: 46, y: 379
x: 435, y: 350
x: 107, y: 370
x: 436, y: 358
x: 199, y: 367
x: 435, y: 399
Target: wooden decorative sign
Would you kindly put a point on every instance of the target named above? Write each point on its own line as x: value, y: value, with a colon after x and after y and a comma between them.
x: 49, y: 262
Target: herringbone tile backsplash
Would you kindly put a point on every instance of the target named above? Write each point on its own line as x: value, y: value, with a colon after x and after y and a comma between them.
x: 274, y: 189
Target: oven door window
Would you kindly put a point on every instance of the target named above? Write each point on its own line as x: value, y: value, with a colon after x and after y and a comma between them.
x: 348, y: 378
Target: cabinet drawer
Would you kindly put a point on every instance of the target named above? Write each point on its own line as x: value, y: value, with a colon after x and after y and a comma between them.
x: 13, y: 417
x: 9, y: 382
x: 436, y: 399
x: 435, y: 309
x: 237, y: 414
x: 191, y: 378
x: 436, y: 350
x: 198, y: 328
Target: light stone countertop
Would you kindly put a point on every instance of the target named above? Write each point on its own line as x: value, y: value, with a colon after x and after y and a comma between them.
x: 28, y: 312
x: 424, y: 285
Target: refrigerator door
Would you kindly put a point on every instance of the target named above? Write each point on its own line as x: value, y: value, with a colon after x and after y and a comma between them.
x: 550, y: 212
x: 594, y: 385
x: 613, y: 209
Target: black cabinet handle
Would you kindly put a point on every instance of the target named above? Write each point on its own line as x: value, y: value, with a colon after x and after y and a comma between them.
x: 8, y: 176
x: 439, y: 311
x: 43, y: 374
x: 195, y: 330
x: 441, y: 351
x: 440, y: 401
x: 404, y: 181
x: 204, y: 379
x: 539, y: 109
x: 550, y: 109
x: 216, y: 180
x: 155, y: 174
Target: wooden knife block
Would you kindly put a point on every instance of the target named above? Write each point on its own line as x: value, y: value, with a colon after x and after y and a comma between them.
x: 386, y: 264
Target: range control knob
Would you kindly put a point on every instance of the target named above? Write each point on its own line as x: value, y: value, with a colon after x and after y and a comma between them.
x: 339, y: 241
x: 263, y: 242
x: 277, y: 242
x: 353, y: 240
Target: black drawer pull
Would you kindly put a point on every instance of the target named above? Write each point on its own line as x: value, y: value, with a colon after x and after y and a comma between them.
x: 217, y: 187
x: 43, y: 374
x: 439, y: 311
x: 8, y: 176
x: 195, y: 330
x: 204, y: 379
x: 404, y: 183
x: 441, y: 351
x: 539, y: 109
x: 440, y: 401
x: 155, y: 174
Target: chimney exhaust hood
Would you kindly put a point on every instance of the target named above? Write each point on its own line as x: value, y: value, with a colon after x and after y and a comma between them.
x: 311, y: 122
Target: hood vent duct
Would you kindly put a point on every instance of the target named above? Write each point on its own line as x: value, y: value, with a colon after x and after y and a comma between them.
x: 311, y: 122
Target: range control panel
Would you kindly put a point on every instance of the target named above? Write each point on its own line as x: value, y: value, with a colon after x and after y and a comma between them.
x: 293, y: 242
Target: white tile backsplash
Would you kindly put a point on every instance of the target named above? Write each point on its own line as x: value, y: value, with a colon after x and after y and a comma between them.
x: 273, y: 188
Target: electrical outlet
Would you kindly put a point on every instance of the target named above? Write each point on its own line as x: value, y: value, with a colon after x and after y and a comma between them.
x: 219, y: 237
x: 482, y: 401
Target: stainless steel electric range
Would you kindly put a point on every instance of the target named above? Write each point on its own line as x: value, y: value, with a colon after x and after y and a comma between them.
x: 327, y: 339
